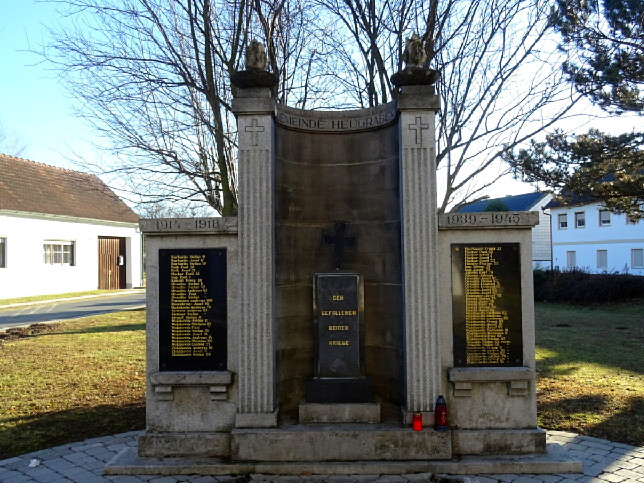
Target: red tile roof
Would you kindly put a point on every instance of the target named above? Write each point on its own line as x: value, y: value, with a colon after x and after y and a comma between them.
x: 39, y: 188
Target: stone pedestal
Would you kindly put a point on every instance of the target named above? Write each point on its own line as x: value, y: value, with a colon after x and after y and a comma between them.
x: 417, y: 106
x: 254, y: 108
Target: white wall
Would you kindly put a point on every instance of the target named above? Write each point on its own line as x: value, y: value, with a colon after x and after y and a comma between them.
x: 618, y: 239
x: 27, y: 274
x: 541, y: 248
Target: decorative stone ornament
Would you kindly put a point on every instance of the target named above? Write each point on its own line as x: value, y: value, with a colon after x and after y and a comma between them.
x: 256, y: 56
x: 415, y: 54
x: 256, y: 73
x: 416, y: 58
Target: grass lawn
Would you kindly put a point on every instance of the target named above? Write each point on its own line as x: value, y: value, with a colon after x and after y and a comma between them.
x: 590, y: 363
x: 56, y: 296
x: 85, y: 378
x: 74, y: 381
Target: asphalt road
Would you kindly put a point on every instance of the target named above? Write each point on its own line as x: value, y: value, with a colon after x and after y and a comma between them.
x: 70, y: 309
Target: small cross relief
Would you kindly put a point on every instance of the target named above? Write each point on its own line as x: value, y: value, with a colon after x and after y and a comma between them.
x: 419, y: 127
x: 254, y: 129
x: 339, y: 240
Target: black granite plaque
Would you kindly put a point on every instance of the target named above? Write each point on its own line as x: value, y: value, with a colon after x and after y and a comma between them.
x: 338, y: 325
x: 486, y: 305
x: 192, y: 309
x: 339, y: 356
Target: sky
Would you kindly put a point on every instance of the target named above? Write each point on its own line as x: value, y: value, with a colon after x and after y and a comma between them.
x: 33, y: 104
x: 36, y: 109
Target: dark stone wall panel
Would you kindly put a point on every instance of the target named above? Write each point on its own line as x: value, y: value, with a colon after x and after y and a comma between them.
x: 295, y: 332
x: 322, y: 204
x: 383, y: 361
x: 389, y: 297
x: 301, y: 252
x: 320, y: 178
x: 383, y: 330
x: 378, y: 174
x: 295, y: 300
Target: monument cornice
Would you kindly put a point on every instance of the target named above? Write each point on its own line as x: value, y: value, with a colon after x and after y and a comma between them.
x: 356, y: 120
x: 176, y: 226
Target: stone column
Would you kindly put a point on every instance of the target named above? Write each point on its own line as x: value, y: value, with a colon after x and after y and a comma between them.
x: 255, y: 108
x: 417, y: 105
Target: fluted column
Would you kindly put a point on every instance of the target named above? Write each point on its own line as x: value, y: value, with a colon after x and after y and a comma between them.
x: 417, y: 105
x: 254, y: 108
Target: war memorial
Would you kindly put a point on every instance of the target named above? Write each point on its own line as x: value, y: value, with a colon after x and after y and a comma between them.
x: 339, y: 324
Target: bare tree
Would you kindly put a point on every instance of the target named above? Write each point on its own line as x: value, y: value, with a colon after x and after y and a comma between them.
x: 10, y: 142
x: 154, y: 78
x: 499, y: 85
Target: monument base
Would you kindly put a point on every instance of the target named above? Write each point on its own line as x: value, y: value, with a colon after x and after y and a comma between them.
x: 339, y: 390
x: 555, y: 461
x: 498, y: 441
x: 178, y: 445
x: 339, y: 413
x: 339, y: 442
x: 256, y: 420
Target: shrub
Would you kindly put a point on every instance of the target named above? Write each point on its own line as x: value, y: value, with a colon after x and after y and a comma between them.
x: 496, y: 205
x: 580, y: 287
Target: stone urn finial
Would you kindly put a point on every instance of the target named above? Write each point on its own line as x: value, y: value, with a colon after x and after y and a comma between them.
x: 256, y: 56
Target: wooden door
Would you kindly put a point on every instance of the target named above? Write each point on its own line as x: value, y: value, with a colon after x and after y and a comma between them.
x: 111, y: 263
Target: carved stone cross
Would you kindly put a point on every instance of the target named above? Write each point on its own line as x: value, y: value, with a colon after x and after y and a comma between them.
x: 419, y: 127
x: 339, y: 240
x: 254, y: 129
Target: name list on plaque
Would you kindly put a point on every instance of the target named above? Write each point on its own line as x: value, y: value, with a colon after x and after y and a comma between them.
x: 192, y: 309
x: 337, y: 308
x: 486, y: 305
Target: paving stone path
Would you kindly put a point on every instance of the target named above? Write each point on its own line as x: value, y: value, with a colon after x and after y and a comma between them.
x: 83, y: 462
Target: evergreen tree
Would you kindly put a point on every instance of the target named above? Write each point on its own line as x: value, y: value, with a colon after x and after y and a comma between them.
x: 604, y: 42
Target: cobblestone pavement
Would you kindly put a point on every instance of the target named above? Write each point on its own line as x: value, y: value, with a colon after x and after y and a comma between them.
x: 83, y: 462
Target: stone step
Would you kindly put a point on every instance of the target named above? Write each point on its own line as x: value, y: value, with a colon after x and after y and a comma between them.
x: 341, y: 442
x: 555, y: 461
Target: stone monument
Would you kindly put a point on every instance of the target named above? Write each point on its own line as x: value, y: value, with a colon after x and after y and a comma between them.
x: 308, y: 332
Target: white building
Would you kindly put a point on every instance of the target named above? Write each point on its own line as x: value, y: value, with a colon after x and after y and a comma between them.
x: 587, y: 236
x: 541, y: 256
x: 63, y: 231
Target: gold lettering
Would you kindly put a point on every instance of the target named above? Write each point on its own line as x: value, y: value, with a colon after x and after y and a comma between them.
x: 189, y: 303
x: 486, y: 341
x: 337, y: 297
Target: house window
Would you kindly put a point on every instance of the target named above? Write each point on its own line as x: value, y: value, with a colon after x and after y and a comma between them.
x: 563, y: 221
x: 602, y: 258
x: 3, y: 252
x: 604, y: 218
x: 58, y: 252
x: 637, y: 258
x: 571, y: 259
x: 580, y: 219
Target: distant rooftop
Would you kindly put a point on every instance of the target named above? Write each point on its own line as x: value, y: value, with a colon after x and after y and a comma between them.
x: 522, y: 202
x: 38, y: 188
x: 570, y: 199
